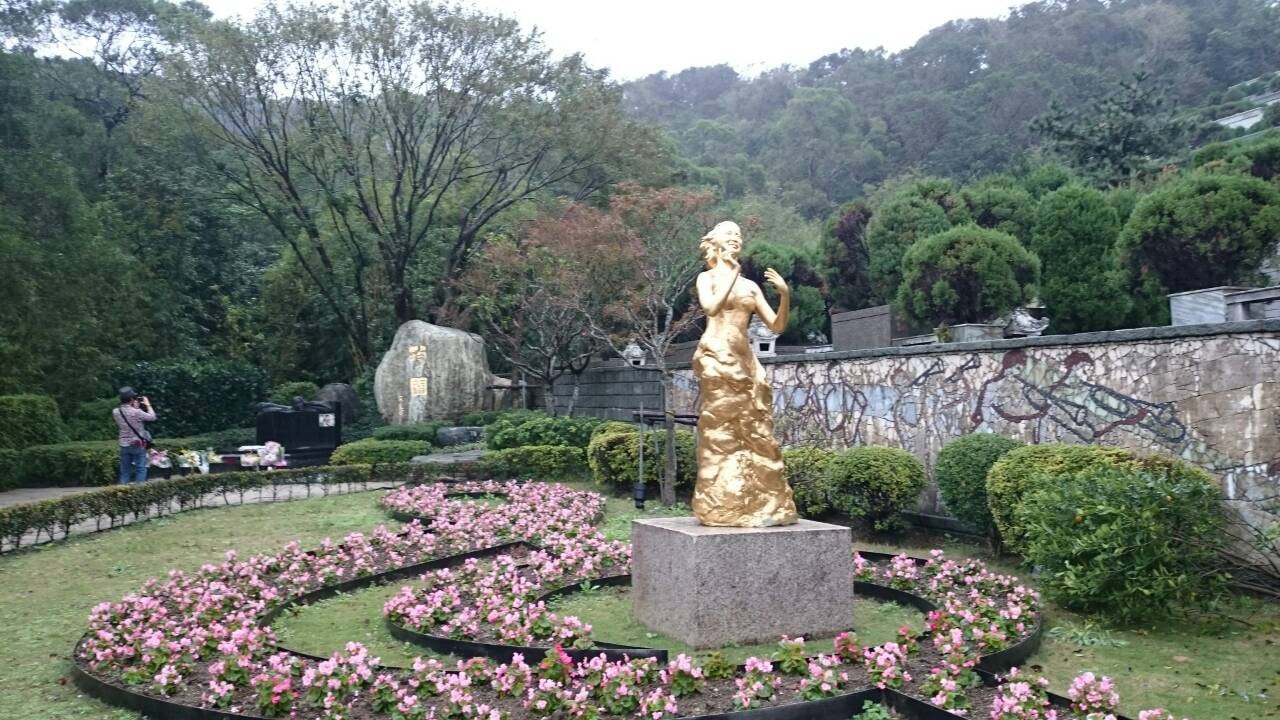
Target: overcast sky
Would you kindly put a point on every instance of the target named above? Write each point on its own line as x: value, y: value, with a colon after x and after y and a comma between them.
x: 635, y: 39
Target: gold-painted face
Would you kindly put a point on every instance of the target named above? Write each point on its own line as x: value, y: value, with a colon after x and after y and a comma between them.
x: 724, y: 240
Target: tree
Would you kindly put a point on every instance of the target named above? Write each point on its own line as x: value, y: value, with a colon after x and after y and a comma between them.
x: 1119, y: 134
x: 966, y: 274
x: 1198, y: 232
x: 997, y: 203
x: 395, y: 129
x: 818, y: 144
x: 894, y: 227
x: 516, y: 292
x: 631, y: 267
x: 845, y: 257
x: 1074, y: 237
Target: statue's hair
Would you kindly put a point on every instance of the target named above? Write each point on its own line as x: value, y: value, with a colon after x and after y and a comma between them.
x: 711, y: 241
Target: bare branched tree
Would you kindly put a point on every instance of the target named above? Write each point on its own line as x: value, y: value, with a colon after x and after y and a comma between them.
x: 381, y: 132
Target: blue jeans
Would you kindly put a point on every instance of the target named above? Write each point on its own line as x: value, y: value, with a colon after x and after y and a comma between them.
x: 133, y: 461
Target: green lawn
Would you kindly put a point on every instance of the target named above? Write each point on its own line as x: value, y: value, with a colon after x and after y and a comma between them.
x: 1224, y: 670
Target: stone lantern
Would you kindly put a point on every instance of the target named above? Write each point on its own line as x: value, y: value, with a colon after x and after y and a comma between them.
x: 764, y: 342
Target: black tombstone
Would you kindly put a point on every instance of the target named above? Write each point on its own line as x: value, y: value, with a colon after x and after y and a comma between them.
x: 309, y: 431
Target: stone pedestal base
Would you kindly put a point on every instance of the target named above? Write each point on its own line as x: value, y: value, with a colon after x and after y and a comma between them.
x: 715, y: 586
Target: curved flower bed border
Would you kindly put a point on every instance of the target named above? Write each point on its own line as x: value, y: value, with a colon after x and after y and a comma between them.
x: 839, y: 707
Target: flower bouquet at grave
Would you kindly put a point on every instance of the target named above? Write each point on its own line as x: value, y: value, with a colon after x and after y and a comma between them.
x: 158, y: 458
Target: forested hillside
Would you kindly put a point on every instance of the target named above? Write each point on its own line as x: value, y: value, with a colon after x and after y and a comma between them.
x: 961, y: 102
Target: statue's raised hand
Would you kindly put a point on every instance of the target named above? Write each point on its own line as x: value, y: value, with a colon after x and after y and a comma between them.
x: 772, y: 277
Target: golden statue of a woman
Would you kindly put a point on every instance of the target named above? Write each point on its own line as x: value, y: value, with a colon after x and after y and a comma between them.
x: 740, y: 478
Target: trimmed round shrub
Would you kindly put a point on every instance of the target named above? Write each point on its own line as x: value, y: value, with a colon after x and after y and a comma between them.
x: 541, y: 430
x: 614, y: 458
x: 961, y: 473
x: 92, y: 421
x: 613, y: 426
x: 1027, y: 469
x: 284, y: 393
x: 27, y: 420
x: 806, y: 470
x: 1129, y: 544
x: 423, y: 431
x: 538, y: 462
x: 372, y: 452
x: 966, y: 274
x: 875, y: 483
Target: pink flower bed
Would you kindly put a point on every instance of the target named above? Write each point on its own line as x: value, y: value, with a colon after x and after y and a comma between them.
x: 194, y: 638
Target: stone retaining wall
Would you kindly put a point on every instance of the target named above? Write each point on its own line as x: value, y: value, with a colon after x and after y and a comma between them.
x: 1207, y: 393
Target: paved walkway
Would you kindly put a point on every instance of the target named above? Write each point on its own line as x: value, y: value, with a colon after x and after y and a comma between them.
x: 21, y: 495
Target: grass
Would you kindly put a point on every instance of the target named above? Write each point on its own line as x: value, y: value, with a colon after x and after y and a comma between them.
x: 1211, y: 670
x: 327, y: 626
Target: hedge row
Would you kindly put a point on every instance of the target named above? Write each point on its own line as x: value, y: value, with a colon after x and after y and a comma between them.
x: 518, y: 429
x: 53, y: 518
x: 372, y: 451
x: 539, y: 462
x: 29, y: 420
x: 94, y: 462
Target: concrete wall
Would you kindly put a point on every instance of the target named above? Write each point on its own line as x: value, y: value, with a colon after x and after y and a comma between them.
x: 1207, y: 393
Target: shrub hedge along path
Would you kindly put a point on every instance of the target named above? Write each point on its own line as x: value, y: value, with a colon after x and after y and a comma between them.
x: 252, y: 496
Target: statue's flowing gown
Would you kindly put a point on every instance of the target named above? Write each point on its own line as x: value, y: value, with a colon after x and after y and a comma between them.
x: 740, y: 476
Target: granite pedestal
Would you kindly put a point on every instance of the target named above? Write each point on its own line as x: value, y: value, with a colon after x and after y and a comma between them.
x: 715, y: 586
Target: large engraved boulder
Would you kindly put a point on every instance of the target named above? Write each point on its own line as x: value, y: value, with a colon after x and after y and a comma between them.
x: 431, y: 372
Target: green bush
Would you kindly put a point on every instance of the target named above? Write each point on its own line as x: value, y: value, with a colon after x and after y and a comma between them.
x: 196, y: 397
x: 8, y: 469
x: 1131, y: 545
x: 27, y: 420
x: 284, y: 393
x: 614, y: 458
x: 538, y: 462
x: 484, y: 418
x: 613, y: 426
x: 1027, y: 469
x: 424, y: 431
x: 68, y: 464
x: 961, y: 473
x: 540, y: 430
x: 92, y: 420
x: 875, y: 483
x: 374, y: 452
x: 806, y: 469
x: 966, y: 275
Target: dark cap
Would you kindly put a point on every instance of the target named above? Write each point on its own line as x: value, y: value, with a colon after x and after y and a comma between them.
x: 127, y: 393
